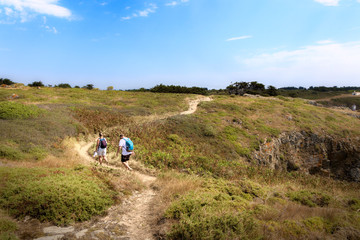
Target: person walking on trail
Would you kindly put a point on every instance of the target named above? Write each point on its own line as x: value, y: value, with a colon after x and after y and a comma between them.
x: 101, y: 145
x: 125, y: 151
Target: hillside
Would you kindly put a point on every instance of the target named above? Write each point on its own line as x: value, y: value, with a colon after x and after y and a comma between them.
x: 236, y: 168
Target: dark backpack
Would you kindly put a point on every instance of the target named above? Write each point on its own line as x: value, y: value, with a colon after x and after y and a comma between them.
x: 103, y: 143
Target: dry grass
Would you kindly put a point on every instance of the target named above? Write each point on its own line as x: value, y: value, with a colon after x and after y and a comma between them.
x: 171, y: 185
x: 69, y: 159
x: 297, y: 212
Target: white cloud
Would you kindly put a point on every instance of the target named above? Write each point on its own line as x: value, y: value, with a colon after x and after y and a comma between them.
x: 329, y: 2
x: 326, y: 64
x: 142, y: 13
x: 47, y: 27
x: 8, y: 11
x: 23, y: 8
x: 325, y: 42
x: 51, y: 29
x: 238, y: 38
x: 175, y: 3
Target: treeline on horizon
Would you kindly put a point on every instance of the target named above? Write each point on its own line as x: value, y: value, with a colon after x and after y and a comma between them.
x: 237, y: 88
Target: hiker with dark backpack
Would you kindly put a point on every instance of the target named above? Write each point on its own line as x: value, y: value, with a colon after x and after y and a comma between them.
x: 101, y: 145
x: 127, y: 148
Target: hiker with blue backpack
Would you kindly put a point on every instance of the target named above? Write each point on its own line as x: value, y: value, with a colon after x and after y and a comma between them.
x: 100, y: 150
x: 127, y: 148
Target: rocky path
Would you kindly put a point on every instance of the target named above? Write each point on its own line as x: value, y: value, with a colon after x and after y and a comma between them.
x: 133, y: 219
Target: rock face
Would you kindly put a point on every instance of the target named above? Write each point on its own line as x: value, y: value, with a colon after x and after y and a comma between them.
x: 310, y: 153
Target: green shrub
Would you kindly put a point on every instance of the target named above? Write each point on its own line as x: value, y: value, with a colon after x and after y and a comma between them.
x: 7, y: 226
x: 310, y: 198
x: 37, y: 153
x: 354, y: 204
x: 174, y: 138
x: 10, y: 152
x: 14, y: 110
x: 222, y: 226
x: 317, y: 224
x: 212, y: 215
x: 57, y: 195
x: 293, y: 229
x: 8, y: 236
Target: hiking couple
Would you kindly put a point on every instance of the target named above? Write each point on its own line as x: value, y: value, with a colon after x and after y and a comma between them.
x: 125, y: 144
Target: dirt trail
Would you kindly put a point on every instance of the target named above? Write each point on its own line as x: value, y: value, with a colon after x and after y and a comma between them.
x: 193, y: 103
x: 134, y: 218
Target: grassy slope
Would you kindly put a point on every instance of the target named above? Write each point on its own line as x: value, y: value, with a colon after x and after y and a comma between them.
x: 34, y: 127
x: 228, y: 198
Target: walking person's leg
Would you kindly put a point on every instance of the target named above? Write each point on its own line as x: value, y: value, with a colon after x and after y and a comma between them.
x: 101, y: 154
x: 124, y: 160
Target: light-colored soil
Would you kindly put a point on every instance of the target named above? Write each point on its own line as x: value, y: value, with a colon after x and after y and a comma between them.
x: 193, y: 103
x: 133, y: 219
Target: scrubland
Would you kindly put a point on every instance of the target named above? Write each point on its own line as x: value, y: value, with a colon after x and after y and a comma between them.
x: 207, y: 185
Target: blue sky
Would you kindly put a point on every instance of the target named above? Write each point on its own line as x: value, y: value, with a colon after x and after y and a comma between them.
x: 130, y: 44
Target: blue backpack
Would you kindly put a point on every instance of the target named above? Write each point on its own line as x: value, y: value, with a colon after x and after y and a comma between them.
x: 129, y: 145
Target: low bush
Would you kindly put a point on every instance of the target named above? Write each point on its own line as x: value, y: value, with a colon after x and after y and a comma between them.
x: 219, y: 210
x: 310, y: 198
x: 14, y: 110
x: 212, y: 215
x: 354, y: 204
x: 57, y: 195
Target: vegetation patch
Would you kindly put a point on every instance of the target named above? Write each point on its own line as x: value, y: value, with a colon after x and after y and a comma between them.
x: 13, y: 110
x: 310, y: 198
x: 57, y: 195
x: 354, y: 204
x: 219, y: 210
x: 212, y: 215
x: 8, y: 227
x: 97, y: 119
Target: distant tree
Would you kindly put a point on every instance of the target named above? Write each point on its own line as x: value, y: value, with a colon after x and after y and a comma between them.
x: 6, y: 81
x: 110, y: 88
x: 64, y: 85
x: 76, y: 86
x: 36, y: 84
x: 289, y: 88
x: 256, y: 86
x: 89, y: 86
x: 272, y: 91
x: 238, y: 88
x: 179, y: 89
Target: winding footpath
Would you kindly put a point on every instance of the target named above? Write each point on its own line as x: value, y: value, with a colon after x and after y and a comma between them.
x: 133, y: 219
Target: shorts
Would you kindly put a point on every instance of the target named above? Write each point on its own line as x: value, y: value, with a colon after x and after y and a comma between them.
x: 101, y: 152
x: 125, y: 158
